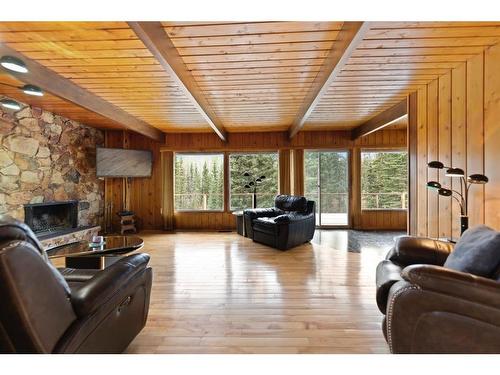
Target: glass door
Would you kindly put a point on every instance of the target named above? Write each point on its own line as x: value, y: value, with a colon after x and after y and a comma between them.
x: 326, y: 181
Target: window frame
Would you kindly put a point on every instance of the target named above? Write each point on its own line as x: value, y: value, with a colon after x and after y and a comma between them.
x: 228, y: 155
x: 223, y: 154
x: 380, y: 150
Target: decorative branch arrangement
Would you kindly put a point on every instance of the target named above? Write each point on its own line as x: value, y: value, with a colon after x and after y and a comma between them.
x: 252, y: 184
x: 462, y: 196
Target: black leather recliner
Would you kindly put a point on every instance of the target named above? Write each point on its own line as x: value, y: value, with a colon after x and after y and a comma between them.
x: 290, y: 223
x: 90, y: 312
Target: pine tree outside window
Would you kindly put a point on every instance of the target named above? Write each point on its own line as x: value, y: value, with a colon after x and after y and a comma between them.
x: 257, y: 164
x: 384, y: 180
x: 199, y: 182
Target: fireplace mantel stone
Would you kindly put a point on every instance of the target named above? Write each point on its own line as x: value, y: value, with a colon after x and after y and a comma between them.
x: 78, y: 234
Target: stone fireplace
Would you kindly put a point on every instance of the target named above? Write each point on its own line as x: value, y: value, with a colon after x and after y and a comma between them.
x: 52, y: 218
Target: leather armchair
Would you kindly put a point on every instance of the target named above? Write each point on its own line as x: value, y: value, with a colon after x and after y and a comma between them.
x: 432, y: 309
x: 41, y: 312
x: 290, y: 223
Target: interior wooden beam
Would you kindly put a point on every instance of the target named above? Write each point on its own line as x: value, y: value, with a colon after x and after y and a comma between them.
x: 349, y: 37
x: 381, y: 120
x: 57, y: 85
x: 161, y: 46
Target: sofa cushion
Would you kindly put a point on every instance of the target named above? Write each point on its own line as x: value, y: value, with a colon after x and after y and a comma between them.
x: 265, y: 225
x: 477, y: 252
x: 291, y: 203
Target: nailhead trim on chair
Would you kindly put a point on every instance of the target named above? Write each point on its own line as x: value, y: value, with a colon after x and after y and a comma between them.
x: 391, y: 307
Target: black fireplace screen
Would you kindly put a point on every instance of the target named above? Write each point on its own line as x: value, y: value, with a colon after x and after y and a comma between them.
x: 51, y: 217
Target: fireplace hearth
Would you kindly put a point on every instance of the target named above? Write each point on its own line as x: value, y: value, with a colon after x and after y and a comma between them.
x: 52, y: 218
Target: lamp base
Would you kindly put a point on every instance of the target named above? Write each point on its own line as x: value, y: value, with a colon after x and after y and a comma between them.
x: 464, y: 224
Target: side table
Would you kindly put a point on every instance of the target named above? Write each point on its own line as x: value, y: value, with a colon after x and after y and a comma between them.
x: 240, y: 223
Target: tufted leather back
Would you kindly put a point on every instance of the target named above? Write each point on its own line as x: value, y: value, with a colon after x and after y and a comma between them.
x: 293, y: 203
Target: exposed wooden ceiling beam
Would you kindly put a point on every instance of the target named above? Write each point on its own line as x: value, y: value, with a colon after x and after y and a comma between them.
x: 57, y: 85
x: 349, y: 37
x: 382, y: 120
x: 160, y: 45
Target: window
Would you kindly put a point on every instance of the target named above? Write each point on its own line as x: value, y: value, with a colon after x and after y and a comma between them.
x: 199, y: 182
x: 257, y: 164
x: 384, y: 179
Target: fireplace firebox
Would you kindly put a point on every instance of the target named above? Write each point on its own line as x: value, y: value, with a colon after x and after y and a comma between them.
x: 52, y: 218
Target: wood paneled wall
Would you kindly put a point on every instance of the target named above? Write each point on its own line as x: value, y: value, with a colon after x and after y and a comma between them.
x: 145, y: 194
x: 279, y: 140
x: 155, y: 211
x: 456, y: 119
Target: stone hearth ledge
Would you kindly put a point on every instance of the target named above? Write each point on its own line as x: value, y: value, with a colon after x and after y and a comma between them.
x: 78, y: 235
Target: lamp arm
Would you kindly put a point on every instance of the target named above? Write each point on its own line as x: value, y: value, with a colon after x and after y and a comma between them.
x: 460, y: 204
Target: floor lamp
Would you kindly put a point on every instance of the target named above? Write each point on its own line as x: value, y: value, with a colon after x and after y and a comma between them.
x: 252, y: 184
x: 462, y: 196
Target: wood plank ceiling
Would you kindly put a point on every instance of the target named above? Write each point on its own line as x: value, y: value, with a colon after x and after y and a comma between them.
x: 255, y: 75
x: 109, y: 60
x: 393, y: 60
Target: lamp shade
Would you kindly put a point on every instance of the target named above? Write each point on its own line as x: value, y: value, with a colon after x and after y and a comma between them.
x: 32, y: 90
x: 433, y: 185
x: 478, y: 179
x: 445, y: 192
x: 454, y: 172
x: 10, y: 104
x: 435, y: 164
x: 13, y: 64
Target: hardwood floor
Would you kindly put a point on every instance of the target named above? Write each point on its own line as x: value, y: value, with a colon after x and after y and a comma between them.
x: 223, y: 293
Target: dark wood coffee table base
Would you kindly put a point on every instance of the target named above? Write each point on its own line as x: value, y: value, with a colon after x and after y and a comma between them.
x: 91, y: 262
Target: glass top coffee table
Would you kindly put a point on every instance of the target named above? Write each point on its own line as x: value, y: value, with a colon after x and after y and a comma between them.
x: 82, y: 255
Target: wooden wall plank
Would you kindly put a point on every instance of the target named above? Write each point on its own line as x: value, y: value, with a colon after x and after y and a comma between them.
x: 492, y: 136
x: 432, y: 154
x: 475, y: 135
x: 458, y: 136
x: 444, y: 105
x: 412, y: 163
x: 422, y: 162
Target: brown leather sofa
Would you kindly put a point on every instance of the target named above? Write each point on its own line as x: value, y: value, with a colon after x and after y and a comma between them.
x: 90, y: 312
x: 432, y: 309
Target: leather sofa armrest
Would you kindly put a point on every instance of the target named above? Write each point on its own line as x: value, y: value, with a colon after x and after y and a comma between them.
x: 292, y: 218
x: 387, y: 274
x: 100, y: 288
x: 454, y: 283
x: 417, y: 250
x: 262, y: 212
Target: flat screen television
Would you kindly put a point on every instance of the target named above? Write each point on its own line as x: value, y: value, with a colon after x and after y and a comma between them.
x: 119, y: 162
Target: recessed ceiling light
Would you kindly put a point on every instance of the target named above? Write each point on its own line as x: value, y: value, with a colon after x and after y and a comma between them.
x: 32, y: 90
x: 14, y: 64
x: 10, y: 104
